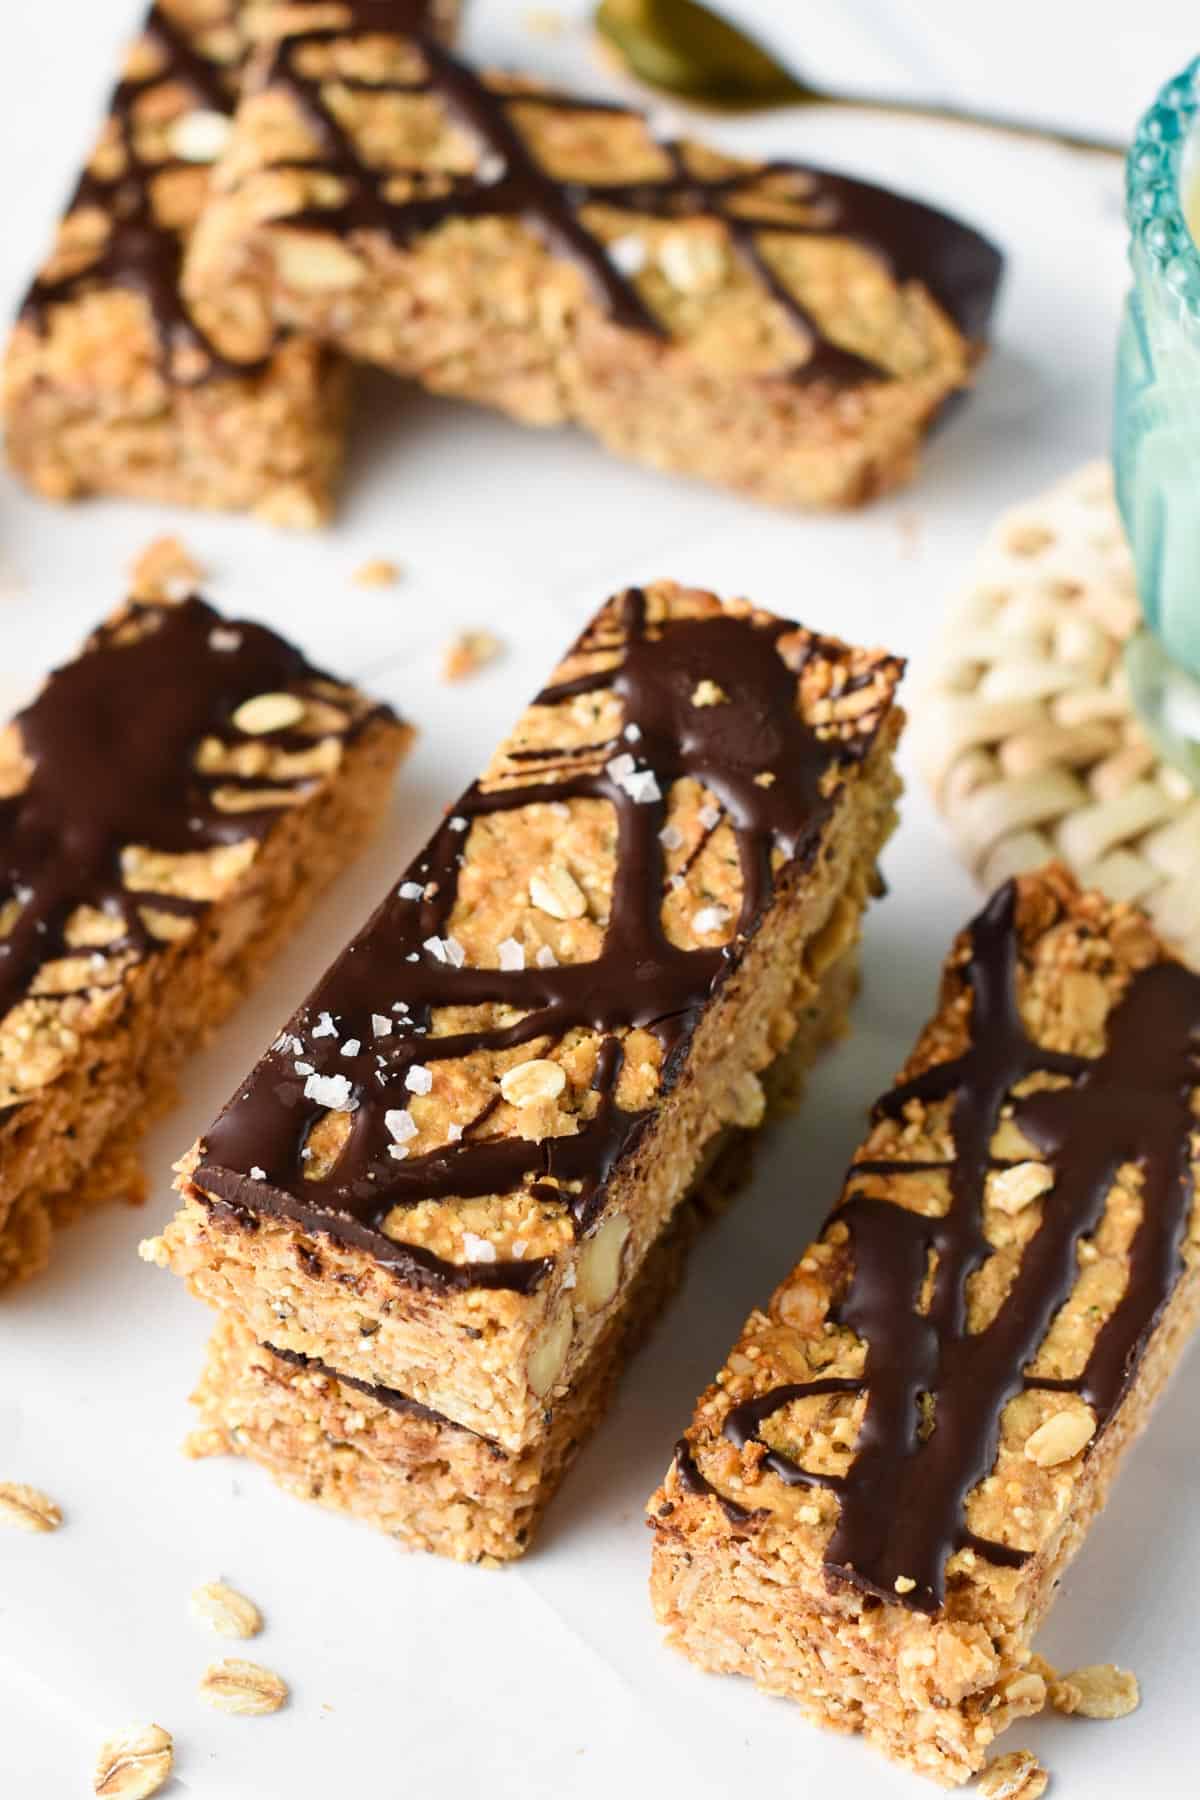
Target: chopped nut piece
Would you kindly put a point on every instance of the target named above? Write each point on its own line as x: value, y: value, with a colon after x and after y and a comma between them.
x: 246, y: 1688
x: 545, y: 1365
x: 556, y: 891
x: 709, y: 693
x: 469, y: 652
x: 1025, y: 1694
x: 227, y: 1611
x: 379, y: 571
x: 1014, y: 1189
x: 1097, y: 1691
x: 529, y: 1082
x: 1059, y: 1438
x: 165, y: 570
x: 28, y: 1508
x: 266, y: 713
x: 598, y: 1272
x: 1016, y: 1776
x: 134, y: 1763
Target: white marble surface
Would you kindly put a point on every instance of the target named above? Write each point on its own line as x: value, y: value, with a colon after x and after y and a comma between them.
x: 411, y: 1676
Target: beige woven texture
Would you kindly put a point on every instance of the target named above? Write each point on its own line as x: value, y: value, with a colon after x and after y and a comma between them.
x: 1025, y: 730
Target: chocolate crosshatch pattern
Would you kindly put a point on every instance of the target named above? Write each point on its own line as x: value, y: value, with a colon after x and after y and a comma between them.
x: 112, y: 745
x: 903, y: 1498
x: 143, y: 247
x: 141, y: 251
x: 781, y: 199
x: 774, y: 776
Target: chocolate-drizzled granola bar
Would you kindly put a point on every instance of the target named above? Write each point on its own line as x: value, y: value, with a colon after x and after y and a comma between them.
x: 874, y: 1503
x: 769, y: 326
x: 112, y: 384
x: 445, y: 1176
x: 170, y: 803
x: 409, y: 1471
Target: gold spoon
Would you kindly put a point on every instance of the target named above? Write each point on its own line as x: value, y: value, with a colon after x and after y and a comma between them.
x: 685, y: 49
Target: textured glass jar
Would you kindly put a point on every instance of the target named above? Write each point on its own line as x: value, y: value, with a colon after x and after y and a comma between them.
x: 1157, y: 444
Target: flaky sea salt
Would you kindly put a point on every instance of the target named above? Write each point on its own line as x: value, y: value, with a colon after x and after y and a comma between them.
x: 478, y: 1248
x: 512, y: 955
x: 628, y: 254
x: 419, y: 1079
x: 401, y: 1124
x: 334, y: 1091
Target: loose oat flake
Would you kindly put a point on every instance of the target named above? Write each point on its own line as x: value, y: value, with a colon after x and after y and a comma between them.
x: 244, y: 1688
x: 28, y: 1508
x: 133, y: 1763
x: 1016, y: 1776
x: 227, y: 1611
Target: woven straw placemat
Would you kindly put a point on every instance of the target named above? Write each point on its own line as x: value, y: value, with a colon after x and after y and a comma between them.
x: 1024, y: 730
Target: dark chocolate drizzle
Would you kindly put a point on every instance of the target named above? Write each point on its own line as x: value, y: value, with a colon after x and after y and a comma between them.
x: 112, y: 740
x: 392, y: 1398
x: 141, y: 253
x: 915, y: 243
x: 903, y: 1499
x: 639, y: 979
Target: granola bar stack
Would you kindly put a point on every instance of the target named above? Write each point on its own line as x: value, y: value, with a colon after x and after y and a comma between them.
x: 461, y: 1180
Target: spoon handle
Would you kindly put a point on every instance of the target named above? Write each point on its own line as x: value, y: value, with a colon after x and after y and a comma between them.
x: 963, y: 115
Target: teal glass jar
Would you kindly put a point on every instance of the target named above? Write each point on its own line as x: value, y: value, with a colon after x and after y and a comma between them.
x: 1157, y: 425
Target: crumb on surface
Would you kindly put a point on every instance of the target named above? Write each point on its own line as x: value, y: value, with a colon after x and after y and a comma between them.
x: 165, y: 570
x: 378, y: 571
x: 467, y: 653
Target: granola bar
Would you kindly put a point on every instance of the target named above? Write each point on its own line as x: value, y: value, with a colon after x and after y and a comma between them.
x: 170, y: 804
x: 446, y: 1174
x: 776, y: 328
x: 111, y: 384
x: 876, y: 1500
x: 407, y: 1470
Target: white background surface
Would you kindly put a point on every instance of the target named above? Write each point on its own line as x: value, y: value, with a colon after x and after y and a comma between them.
x: 411, y: 1676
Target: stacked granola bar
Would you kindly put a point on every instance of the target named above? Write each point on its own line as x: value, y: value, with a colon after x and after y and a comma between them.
x: 436, y: 1214
x: 112, y: 382
x: 170, y: 804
